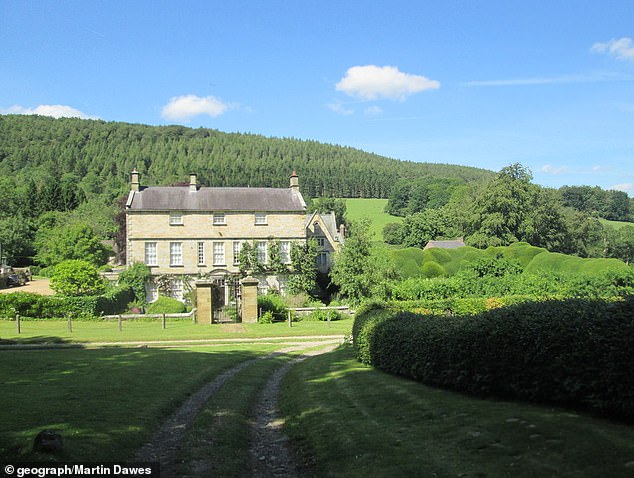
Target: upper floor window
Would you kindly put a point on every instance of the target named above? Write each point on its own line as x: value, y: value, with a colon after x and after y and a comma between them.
x: 260, y: 218
x: 151, y: 256
x: 176, y: 253
x: 219, y: 219
x: 219, y: 253
x: 285, y: 252
x: 321, y: 241
x: 176, y: 219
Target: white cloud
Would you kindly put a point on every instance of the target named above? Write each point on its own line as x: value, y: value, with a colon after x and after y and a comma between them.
x: 547, y: 168
x: 625, y: 187
x: 373, y: 111
x: 372, y: 82
x: 622, y: 49
x: 56, y: 111
x: 340, y: 109
x: 183, y: 108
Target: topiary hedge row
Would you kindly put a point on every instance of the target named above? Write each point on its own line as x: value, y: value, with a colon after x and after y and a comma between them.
x: 30, y: 305
x: 574, y: 352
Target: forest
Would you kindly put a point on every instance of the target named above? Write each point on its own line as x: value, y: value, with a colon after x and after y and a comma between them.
x: 62, y: 182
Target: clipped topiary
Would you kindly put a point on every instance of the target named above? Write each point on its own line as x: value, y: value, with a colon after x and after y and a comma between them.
x: 166, y: 305
x: 432, y: 269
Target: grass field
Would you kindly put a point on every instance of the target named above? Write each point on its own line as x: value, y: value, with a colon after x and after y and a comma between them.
x: 372, y: 209
x: 344, y: 418
x: 616, y: 224
x: 350, y: 420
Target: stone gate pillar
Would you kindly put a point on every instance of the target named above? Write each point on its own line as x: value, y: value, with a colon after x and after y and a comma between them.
x: 204, y: 301
x: 249, y: 299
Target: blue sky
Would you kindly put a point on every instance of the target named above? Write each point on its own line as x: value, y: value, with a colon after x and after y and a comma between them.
x: 549, y: 84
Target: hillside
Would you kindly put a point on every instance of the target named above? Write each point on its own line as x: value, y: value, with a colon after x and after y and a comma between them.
x: 104, y: 153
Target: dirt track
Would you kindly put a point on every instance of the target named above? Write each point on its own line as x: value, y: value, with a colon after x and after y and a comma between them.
x: 37, y: 286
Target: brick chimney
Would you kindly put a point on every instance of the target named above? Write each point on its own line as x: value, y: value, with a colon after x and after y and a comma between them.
x: 193, y: 182
x: 294, y: 181
x: 134, y: 180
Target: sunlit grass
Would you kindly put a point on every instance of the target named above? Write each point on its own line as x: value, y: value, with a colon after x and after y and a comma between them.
x: 108, y: 331
x: 350, y: 420
x: 374, y: 209
x: 104, y: 402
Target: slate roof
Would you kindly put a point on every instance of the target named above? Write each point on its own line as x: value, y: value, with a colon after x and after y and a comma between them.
x: 181, y: 198
x: 329, y: 221
x: 445, y: 244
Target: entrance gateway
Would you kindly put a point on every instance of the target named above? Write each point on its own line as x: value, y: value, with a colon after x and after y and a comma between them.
x: 218, y: 299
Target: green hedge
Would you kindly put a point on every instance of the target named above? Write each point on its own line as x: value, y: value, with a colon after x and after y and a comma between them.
x: 571, y: 352
x: 166, y: 305
x: 31, y: 305
x: 547, y: 284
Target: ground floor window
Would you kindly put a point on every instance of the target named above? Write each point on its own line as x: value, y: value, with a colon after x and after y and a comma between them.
x: 176, y: 289
x: 151, y: 292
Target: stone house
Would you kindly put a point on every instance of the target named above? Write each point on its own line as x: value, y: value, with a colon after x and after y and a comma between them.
x: 188, y: 232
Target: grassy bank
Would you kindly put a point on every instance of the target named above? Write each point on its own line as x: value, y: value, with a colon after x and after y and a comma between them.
x: 372, y: 209
x: 350, y: 420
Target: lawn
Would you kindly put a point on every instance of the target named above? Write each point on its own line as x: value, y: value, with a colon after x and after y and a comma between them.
x: 104, y: 402
x: 372, y: 209
x: 350, y: 420
x: 56, y: 331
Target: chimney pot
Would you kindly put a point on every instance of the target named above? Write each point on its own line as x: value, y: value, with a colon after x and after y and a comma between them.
x: 294, y: 181
x: 193, y: 182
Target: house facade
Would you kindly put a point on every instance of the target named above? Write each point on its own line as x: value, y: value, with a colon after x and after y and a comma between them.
x: 193, y: 231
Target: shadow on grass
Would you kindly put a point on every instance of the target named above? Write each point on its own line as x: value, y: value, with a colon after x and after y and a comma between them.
x: 42, y: 340
x: 104, y: 402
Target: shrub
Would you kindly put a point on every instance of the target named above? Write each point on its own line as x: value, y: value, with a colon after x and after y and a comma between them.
x: 273, y: 303
x: 46, y: 307
x: 166, y: 305
x: 323, y: 315
x: 75, y: 277
x: 135, y: 277
x: 574, y: 352
x: 266, y: 318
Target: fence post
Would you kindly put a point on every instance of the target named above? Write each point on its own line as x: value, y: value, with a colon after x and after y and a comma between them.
x: 70, y: 325
x: 163, y: 321
x: 328, y: 316
x: 120, y: 327
x: 290, y: 322
x: 17, y: 322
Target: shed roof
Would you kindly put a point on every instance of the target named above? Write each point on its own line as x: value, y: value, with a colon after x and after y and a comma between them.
x: 445, y: 244
x: 181, y: 198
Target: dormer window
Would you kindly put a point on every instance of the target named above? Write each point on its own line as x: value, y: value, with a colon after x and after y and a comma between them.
x: 219, y: 219
x: 176, y: 219
x: 260, y: 218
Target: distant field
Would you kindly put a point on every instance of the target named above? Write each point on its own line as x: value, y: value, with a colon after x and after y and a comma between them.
x: 372, y: 209
x: 616, y: 224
